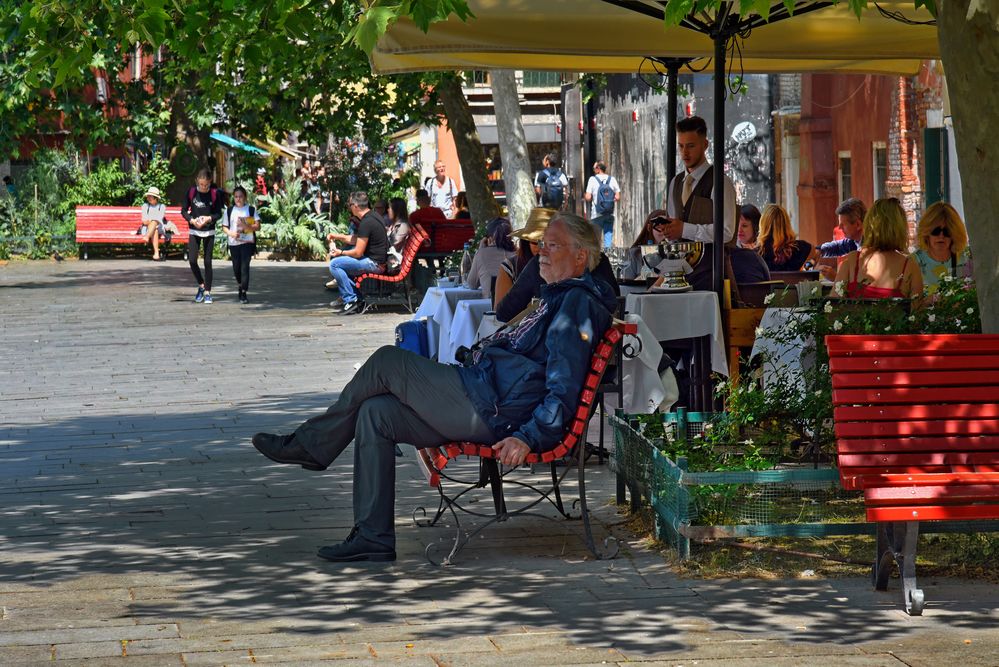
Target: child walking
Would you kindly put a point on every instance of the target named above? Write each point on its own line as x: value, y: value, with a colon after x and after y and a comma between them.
x: 202, y: 209
x: 239, y: 224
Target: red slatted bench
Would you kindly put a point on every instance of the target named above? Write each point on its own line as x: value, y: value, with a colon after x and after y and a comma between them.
x: 434, y: 460
x: 117, y: 225
x: 917, y: 429
x: 378, y: 288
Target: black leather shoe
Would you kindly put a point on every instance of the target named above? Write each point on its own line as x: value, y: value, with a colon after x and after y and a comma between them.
x: 356, y: 548
x: 283, y: 449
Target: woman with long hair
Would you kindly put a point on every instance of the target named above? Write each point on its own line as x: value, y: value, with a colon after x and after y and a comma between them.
x: 202, y: 209
x: 881, y: 269
x: 943, y: 246
x: 777, y: 243
x: 653, y: 233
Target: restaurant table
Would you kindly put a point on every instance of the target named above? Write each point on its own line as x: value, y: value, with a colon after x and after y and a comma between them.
x: 488, y: 326
x: 465, y: 326
x: 682, y: 315
x: 438, y: 307
x: 783, y: 360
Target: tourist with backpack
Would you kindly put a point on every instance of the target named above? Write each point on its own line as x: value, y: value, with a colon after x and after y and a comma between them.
x: 202, y: 209
x: 239, y: 225
x: 602, y: 193
x: 550, y: 184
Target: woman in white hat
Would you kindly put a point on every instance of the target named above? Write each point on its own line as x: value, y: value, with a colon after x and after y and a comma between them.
x: 153, y: 212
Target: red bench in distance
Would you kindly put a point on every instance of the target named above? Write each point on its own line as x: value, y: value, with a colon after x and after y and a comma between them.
x: 917, y: 429
x: 378, y: 288
x: 434, y: 460
x: 116, y: 225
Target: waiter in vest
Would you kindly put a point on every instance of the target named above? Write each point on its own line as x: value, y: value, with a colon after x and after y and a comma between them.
x: 688, y: 199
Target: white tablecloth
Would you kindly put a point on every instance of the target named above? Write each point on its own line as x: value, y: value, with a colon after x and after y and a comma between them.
x: 683, y: 315
x: 465, y: 326
x: 438, y: 306
x: 488, y: 326
x: 642, y: 388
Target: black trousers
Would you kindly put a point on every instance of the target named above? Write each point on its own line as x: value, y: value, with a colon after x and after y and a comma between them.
x: 194, y: 244
x: 241, y: 255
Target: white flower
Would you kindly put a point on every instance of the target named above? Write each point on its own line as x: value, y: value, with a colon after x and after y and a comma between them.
x: 947, y: 278
x: 932, y: 318
x: 815, y: 290
x: 748, y: 442
x: 888, y: 328
x: 912, y: 318
x: 846, y: 319
x: 840, y: 286
x: 970, y: 311
x: 768, y: 298
x: 759, y: 331
x: 837, y: 325
x: 957, y: 322
x: 828, y: 307
x: 819, y: 393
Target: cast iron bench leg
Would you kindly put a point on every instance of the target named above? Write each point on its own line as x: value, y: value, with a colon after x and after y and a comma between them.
x: 911, y: 595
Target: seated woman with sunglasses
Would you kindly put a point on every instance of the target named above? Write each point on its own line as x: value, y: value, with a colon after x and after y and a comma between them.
x: 881, y: 269
x: 653, y: 233
x: 943, y: 246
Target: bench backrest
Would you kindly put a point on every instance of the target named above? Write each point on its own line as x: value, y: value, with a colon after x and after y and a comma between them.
x: 451, y: 236
x: 117, y: 224
x: 914, y: 404
x: 417, y: 235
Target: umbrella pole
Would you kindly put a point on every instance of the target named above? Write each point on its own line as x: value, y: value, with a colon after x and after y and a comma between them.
x: 718, y: 187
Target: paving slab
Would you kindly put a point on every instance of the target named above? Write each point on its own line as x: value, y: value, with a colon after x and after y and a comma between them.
x: 138, y: 526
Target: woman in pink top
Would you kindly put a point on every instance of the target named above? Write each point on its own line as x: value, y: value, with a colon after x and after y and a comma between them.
x: 882, y: 269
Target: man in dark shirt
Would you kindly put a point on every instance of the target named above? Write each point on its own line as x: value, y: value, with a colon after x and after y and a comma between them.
x: 368, y: 254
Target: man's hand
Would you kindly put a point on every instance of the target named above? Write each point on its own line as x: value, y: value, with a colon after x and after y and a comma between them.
x: 674, y: 230
x: 511, y: 451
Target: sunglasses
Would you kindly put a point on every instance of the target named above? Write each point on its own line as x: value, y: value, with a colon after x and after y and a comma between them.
x: 937, y: 231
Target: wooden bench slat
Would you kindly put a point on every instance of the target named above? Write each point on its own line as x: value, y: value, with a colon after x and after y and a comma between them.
x: 914, y: 363
x: 916, y: 428
x: 933, y: 513
x: 914, y: 395
x: 922, y: 458
x: 912, y: 345
x: 931, y: 494
x: 849, y: 413
x: 918, y: 479
x: 925, y: 444
x: 912, y: 379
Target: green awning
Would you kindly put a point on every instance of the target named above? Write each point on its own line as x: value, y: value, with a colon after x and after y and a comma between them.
x: 237, y: 144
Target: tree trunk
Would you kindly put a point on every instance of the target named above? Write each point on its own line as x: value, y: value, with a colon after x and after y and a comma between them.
x: 520, y: 197
x: 190, y: 146
x: 481, y: 203
x: 969, y: 47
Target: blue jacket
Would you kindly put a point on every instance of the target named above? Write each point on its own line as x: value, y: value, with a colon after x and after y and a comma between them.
x: 526, y: 382
x: 838, y: 248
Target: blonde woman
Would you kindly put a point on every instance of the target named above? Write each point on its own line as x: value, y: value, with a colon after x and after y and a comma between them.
x: 881, y: 269
x: 777, y: 243
x: 943, y: 246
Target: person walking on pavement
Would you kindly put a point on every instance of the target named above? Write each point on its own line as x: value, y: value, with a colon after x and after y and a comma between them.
x: 239, y: 225
x: 550, y: 183
x: 602, y: 194
x: 202, y: 209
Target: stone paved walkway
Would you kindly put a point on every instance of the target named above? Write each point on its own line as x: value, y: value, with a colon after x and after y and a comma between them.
x: 138, y: 525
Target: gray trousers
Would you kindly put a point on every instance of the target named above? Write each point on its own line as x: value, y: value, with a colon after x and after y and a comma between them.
x: 395, y: 397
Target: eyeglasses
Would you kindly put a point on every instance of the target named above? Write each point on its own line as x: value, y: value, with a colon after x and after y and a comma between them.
x: 937, y: 231
x: 552, y: 247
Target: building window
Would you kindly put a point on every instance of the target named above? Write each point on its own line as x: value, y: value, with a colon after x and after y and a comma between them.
x: 542, y: 79
x: 845, y: 176
x: 476, y: 77
x: 880, y: 154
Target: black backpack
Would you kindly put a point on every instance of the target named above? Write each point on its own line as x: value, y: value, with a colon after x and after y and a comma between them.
x: 605, y: 197
x: 553, y: 192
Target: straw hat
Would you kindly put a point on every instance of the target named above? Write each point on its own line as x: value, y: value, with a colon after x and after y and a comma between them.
x: 153, y: 192
x: 537, y: 222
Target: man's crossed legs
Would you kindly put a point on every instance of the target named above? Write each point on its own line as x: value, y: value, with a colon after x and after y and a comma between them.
x: 395, y: 397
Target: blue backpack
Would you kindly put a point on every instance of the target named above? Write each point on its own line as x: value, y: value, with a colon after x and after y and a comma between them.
x: 605, y: 197
x: 553, y: 192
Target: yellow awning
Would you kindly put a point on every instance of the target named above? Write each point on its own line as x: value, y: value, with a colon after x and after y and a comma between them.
x: 594, y: 36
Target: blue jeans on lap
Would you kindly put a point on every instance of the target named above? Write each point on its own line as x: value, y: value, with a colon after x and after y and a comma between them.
x: 345, y: 269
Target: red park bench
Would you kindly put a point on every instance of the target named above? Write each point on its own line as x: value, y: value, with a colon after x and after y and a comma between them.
x: 116, y: 225
x: 384, y: 288
x: 917, y: 430
x: 570, y: 450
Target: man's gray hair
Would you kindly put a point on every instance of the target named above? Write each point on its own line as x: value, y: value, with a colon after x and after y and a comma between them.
x: 583, y: 233
x: 360, y: 199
